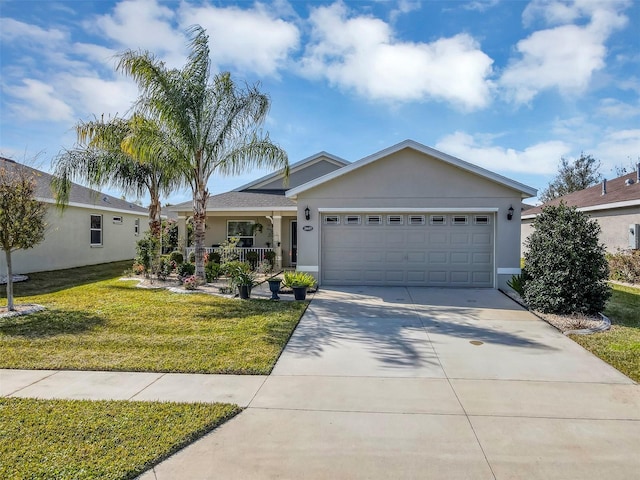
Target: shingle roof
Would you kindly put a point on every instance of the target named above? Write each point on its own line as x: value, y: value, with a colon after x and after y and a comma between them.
x: 78, y: 195
x: 620, y: 191
x: 241, y: 201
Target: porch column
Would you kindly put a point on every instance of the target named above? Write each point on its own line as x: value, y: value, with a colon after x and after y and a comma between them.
x: 182, y: 233
x: 277, y: 239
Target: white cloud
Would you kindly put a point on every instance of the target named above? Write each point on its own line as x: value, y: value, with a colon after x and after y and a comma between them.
x: 540, y: 158
x: 28, y: 35
x: 566, y: 56
x: 249, y: 39
x: 621, y: 147
x: 35, y: 100
x: 116, y: 96
x: 361, y: 53
x: 614, y: 108
x: 144, y: 25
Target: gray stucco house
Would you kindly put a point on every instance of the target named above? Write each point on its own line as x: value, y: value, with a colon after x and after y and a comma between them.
x: 614, y: 204
x: 407, y: 215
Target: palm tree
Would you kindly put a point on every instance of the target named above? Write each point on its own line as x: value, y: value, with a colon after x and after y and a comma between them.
x: 105, y: 156
x: 209, y: 127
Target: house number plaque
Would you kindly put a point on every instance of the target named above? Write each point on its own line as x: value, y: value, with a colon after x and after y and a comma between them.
x: 307, y: 228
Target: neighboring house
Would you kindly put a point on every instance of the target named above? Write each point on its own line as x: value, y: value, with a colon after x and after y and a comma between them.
x: 94, y: 228
x: 407, y: 215
x: 615, y: 204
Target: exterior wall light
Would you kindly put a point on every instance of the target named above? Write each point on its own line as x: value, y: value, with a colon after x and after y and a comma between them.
x: 510, y: 212
x: 307, y: 213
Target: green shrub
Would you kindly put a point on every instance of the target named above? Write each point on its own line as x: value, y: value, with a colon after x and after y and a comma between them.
x: 252, y: 258
x: 186, y: 269
x: 298, y: 279
x: 624, y: 266
x: 192, y: 257
x: 212, y: 271
x: 215, y: 257
x: 239, y: 273
x: 177, y: 257
x: 566, y: 263
x: 518, y: 282
x: 146, y: 251
x: 270, y: 256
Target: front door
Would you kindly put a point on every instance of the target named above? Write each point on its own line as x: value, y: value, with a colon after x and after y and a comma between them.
x: 294, y: 242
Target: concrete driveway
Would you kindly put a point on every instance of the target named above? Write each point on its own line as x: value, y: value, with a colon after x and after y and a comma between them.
x: 426, y: 383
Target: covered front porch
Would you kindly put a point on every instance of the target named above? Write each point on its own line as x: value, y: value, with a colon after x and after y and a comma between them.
x: 256, y: 231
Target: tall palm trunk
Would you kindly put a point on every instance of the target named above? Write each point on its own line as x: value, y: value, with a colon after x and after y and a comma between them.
x: 200, y: 197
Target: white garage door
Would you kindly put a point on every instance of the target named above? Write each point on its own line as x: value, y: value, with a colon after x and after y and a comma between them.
x: 430, y: 249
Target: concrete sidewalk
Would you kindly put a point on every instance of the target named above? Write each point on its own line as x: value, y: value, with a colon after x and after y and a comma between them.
x: 166, y: 387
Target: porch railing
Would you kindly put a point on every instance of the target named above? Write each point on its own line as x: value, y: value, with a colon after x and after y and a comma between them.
x: 240, y: 252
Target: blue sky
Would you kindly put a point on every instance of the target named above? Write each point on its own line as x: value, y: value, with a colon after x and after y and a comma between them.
x: 511, y: 86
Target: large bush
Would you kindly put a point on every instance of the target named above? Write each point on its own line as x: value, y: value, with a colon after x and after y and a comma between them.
x: 566, y: 263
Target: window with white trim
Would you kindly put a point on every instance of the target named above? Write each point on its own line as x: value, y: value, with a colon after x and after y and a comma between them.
x: 394, y: 220
x: 117, y: 220
x: 481, y: 219
x: 416, y: 219
x: 136, y: 227
x: 438, y: 220
x: 96, y: 230
x: 332, y: 220
x: 374, y: 219
x: 243, y: 230
x: 460, y: 220
x: 352, y: 220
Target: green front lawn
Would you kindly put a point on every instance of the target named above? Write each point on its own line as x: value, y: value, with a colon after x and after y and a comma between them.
x: 77, y: 439
x: 619, y: 346
x: 112, y: 325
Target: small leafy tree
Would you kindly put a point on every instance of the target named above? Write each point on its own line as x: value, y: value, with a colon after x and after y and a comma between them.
x: 566, y: 264
x: 22, y: 223
x: 572, y: 176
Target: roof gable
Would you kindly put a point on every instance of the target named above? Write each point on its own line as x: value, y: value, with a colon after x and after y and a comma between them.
x: 299, y: 173
x: 524, y: 190
x: 623, y: 191
x: 79, y: 196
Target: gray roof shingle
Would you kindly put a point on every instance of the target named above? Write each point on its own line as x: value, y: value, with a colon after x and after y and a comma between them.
x: 78, y: 194
x: 240, y: 200
x: 622, y: 189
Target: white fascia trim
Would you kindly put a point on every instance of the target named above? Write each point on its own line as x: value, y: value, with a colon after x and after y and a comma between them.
x: 307, y: 268
x: 306, y: 162
x: 525, y: 190
x: 408, y: 210
x: 93, y: 207
x: 509, y: 271
x: 594, y: 208
x: 254, y: 209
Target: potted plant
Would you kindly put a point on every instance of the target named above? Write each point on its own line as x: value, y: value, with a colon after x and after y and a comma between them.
x: 241, y: 276
x: 299, y: 282
x: 274, y: 287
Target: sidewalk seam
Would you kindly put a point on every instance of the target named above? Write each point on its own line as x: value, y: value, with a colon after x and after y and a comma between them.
x: 32, y: 383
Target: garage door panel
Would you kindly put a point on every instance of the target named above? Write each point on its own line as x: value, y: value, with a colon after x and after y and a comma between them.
x: 416, y: 257
x: 416, y: 277
x: 438, y: 257
x: 427, y: 254
x: 458, y: 258
x: 481, y: 258
x: 458, y: 238
x: 394, y: 256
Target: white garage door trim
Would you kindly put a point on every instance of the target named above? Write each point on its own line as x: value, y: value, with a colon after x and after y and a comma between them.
x: 449, y: 275
x: 408, y: 210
